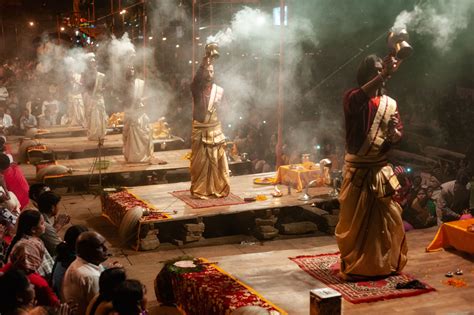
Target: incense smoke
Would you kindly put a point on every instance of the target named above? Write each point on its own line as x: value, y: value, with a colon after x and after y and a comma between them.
x: 440, y: 20
x: 250, y: 45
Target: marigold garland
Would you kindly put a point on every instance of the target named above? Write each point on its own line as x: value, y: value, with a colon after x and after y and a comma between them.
x: 456, y: 282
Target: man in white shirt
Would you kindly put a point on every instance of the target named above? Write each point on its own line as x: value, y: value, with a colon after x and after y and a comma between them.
x: 27, y: 121
x: 3, y: 93
x: 81, y: 280
x: 6, y: 121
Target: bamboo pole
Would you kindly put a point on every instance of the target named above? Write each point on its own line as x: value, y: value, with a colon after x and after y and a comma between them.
x: 194, y: 39
x: 281, y: 94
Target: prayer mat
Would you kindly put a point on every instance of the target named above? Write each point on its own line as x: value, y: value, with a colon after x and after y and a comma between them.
x: 326, y: 267
x: 196, y: 203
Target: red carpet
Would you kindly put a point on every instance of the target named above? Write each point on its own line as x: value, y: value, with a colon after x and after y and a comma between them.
x: 325, y: 268
x: 185, y: 195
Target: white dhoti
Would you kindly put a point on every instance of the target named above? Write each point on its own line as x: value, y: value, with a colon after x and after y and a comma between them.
x: 137, y: 137
x: 76, y: 110
x: 97, y: 126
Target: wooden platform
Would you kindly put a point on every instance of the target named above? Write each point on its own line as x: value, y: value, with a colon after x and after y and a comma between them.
x: 61, y: 132
x: 79, y: 147
x: 172, y: 220
x: 290, y: 290
x: 265, y: 267
x: 175, y: 161
x: 159, y: 196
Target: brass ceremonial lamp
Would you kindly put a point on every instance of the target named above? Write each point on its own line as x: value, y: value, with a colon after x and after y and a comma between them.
x: 397, y: 42
x: 212, y: 50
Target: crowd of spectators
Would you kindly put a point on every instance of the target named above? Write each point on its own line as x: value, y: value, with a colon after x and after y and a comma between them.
x: 431, y: 198
x: 42, y: 273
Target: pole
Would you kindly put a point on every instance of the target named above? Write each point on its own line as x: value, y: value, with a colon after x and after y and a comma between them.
x: 3, y: 39
x: 16, y: 36
x: 194, y: 39
x: 144, y: 21
x: 112, y: 13
x: 58, y: 28
x: 281, y: 93
x: 93, y: 11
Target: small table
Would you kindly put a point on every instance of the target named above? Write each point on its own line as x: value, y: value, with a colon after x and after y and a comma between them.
x: 454, y: 234
x: 297, y: 175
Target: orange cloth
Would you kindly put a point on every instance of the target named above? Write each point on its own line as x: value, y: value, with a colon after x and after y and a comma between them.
x: 454, y: 234
x: 298, y: 177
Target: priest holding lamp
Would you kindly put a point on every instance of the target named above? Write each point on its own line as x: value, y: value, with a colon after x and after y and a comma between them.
x: 209, y: 168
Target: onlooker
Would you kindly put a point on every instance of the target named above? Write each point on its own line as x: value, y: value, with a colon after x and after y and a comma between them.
x: 81, y: 281
x: 46, y: 119
x: 6, y: 121
x: 35, y: 191
x: 454, y: 198
x: 66, y: 254
x: 14, y: 180
x: 48, y: 205
x: 30, y: 226
x: 418, y: 214
x: 18, y: 295
x: 129, y: 298
x: 109, y: 280
x: 27, y: 256
x: 27, y: 121
x: 5, y: 148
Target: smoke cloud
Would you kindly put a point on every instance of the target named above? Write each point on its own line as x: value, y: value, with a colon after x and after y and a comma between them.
x: 440, y: 20
x: 249, y: 63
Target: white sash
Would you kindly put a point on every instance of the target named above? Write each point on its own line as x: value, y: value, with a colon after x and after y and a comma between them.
x: 378, y: 130
x: 138, y: 89
x: 214, y: 100
x: 99, y: 82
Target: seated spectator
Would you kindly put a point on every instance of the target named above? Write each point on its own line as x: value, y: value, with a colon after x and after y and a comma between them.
x: 27, y: 121
x: 30, y: 226
x: 415, y: 186
x: 48, y: 205
x: 5, y: 148
x: 66, y: 254
x: 14, y: 180
x: 46, y: 119
x: 419, y: 214
x: 129, y: 298
x: 109, y: 280
x: 18, y: 295
x: 454, y: 198
x: 35, y: 191
x: 403, y: 193
x: 53, y: 106
x: 8, y: 219
x: 3, y: 243
x: 6, y: 122
x: 268, y: 163
x: 27, y: 256
x: 13, y: 107
x: 81, y: 281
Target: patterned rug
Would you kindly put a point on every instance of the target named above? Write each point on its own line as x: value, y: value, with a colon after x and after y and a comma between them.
x: 185, y: 195
x: 325, y: 268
